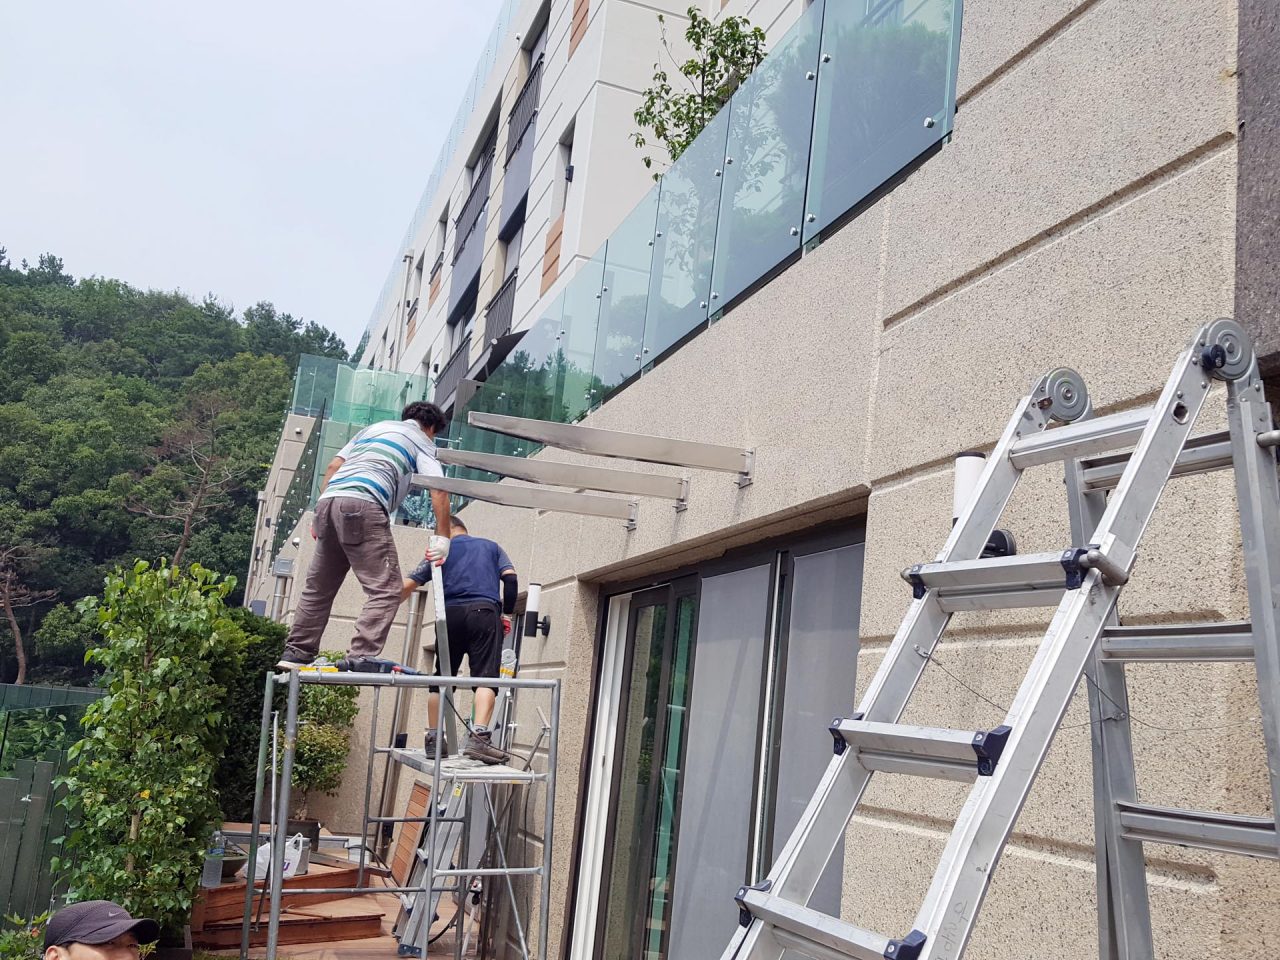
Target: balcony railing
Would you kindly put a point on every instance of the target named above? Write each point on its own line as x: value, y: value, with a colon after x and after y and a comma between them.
x: 473, y: 206
x: 497, y: 315
x: 451, y: 375
x: 525, y: 108
x: 435, y: 267
x: 844, y: 103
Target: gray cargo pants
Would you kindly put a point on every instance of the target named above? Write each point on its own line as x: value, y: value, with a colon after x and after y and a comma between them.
x: 351, y: 534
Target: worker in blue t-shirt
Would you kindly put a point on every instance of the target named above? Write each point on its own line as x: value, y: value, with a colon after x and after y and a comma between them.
x: 475, y: 571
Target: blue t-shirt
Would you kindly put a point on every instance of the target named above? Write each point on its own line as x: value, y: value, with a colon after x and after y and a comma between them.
x: 472, y: 572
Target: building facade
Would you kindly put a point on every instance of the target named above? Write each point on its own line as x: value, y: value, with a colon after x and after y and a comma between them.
x: 1109, y: 184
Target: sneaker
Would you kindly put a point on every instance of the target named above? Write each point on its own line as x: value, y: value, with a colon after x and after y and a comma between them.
x: 290, y: 661
x: 479, y: 746
x: 429, y: 744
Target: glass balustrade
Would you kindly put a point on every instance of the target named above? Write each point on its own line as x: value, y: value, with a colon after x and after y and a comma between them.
x: 854, y: 93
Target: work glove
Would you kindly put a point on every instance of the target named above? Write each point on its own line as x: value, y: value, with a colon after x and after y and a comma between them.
x: 438, y: 550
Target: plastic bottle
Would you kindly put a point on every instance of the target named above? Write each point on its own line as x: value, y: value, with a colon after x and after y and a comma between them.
x: 211, y: 876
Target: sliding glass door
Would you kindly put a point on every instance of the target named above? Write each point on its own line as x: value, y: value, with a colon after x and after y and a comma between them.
x: 650, y: 750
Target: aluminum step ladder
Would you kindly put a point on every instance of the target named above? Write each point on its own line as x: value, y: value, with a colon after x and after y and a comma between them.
x: 1084, y: 582
x: 1123, y: 824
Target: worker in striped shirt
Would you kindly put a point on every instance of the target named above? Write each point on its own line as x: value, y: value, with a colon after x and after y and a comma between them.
x: 362, y: 489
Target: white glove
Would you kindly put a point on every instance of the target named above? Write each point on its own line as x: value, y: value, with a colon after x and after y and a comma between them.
x: 438, y: 550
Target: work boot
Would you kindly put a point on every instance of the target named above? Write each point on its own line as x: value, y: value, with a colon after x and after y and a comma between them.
x: 429, y: 743
x: 292, y: 661
x: 479, y: 746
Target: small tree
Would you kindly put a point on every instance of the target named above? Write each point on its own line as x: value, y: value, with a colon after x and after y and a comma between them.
x: 15, y: 594
x: 142, y: 779
x: 724, y: 54
x: 325, y: 717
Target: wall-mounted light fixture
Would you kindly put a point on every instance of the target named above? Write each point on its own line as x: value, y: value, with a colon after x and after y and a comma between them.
x: 532, y: 625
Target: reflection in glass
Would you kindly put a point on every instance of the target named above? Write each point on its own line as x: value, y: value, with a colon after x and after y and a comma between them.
x: 628, y: 880
x: 580, y: 392
x: 685, y: 241
x: 762, y: 203
x: 625, y: 291
x: 883, y: 94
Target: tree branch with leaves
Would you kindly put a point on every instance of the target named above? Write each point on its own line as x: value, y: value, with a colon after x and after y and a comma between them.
x: 673, y: 112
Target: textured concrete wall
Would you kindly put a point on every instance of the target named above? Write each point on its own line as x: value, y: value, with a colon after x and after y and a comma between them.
x: 1084, y: 215
x: 1258, y: 196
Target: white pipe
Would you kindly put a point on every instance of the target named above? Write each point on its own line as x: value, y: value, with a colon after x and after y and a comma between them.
x: 969, y: 467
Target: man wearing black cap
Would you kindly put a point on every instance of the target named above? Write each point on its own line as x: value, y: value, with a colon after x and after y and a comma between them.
x: 96, y: 930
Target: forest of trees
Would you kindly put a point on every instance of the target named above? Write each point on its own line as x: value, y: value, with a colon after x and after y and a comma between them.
x: 133, y: 424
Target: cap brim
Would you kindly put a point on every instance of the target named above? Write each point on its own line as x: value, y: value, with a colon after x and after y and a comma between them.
x: 147, y: 931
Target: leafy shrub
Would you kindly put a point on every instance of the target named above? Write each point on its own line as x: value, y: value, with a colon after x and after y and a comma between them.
x: 24, y: 940
x: 325, y: 716
x: 238, y: 766
x: 143, y: 776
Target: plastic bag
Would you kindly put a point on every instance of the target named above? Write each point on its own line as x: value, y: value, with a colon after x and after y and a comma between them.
x: 292, y: 857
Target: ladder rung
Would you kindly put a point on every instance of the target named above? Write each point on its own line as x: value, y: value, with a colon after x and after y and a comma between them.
x: 922, y: 751
x: 1199, y: 455
x: 1224, y: 832
x: 814, y: 934
x: 1081, y: 439
x: 1033, y: 580
x: 1178, y: 642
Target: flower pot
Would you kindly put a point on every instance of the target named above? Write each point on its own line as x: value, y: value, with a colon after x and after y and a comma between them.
x: 175, y: 946
x: 308, y: 828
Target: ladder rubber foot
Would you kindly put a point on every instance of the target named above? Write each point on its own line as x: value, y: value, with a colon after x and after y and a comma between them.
x: 908, y: 948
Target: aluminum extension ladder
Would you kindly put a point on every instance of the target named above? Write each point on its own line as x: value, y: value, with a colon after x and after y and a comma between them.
x: 1084, y: 582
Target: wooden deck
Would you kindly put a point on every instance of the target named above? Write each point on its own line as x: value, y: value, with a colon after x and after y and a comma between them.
x: 371, y: 948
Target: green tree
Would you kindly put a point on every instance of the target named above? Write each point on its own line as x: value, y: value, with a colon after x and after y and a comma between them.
x: 672, y: 114
x: 142, y: 779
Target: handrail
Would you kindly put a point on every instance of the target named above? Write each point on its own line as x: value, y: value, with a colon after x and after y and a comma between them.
x: 524, y: 109
x: 499, y: 311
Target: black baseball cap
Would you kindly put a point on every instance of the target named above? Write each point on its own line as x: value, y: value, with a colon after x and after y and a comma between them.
x: 94, y: 922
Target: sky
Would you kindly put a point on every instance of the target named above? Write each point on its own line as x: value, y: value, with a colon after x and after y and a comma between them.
x: 269, y: 150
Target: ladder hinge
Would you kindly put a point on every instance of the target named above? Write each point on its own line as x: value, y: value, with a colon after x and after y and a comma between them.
x: 744, y: 914
x: 908, y: 948
x: 841, y: 744
x: 988, y: 745
x: 917, y: 582
x: 1071, y: 564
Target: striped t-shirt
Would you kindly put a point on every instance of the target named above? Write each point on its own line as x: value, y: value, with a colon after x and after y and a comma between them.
x: 379, y: 461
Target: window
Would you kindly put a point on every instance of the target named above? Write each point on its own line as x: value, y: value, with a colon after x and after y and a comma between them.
x: 442, y: 232
x: 511, y: 252
x: 416, y: 289
x: 560, y: 195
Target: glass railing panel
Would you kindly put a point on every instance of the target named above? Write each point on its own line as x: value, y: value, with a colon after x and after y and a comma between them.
x: 538, y: 352
x: 578, y: 391
x: 314, y: 384
x: 624, y: 296
x: 685, y: 241
x: 762, y: 201
x: 885, y: 96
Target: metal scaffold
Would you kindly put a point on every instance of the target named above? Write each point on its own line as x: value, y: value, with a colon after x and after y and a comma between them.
x: 460, y: 852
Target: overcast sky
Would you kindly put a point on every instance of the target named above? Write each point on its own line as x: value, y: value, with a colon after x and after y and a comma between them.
x: 267, y: 150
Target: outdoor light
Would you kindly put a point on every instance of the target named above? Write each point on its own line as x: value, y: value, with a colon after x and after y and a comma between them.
x: 296, y: 541
x: 969, y: 467
x: 531, y: 622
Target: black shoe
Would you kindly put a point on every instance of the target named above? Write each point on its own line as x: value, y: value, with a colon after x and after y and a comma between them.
x: 429, y: 744
x: 479, y: 746
x: 292, y: 661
